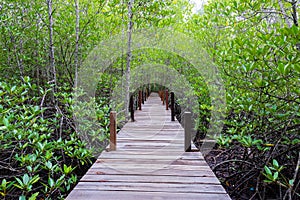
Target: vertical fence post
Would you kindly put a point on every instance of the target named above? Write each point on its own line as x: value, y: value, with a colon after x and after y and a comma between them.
x: 160, y: 95
x: 187, y: 131
x: 172, y: 107
x: 145, y: 95
x: 167, y: 100
x: 113, y: 131
x: 140, y: 100
x: 136, y: 102
x: 163, y: 97
x: 142, y: 96
x: 131, y: 108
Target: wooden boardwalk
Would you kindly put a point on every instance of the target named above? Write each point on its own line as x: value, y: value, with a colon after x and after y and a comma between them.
x: 150, y: 163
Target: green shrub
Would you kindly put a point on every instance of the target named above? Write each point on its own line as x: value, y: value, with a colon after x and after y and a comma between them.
x: 41, y: 156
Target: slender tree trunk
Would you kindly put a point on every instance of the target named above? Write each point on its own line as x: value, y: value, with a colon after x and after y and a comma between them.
x: 123, y: 50
x: 77, y: 30
x: 36, y: 53
x: 129, y: 55
x: 17, y: 55
x: 51, y: 46
x: 294, y: 12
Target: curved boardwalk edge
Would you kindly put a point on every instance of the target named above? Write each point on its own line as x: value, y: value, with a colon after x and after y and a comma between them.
x: 150, y: 164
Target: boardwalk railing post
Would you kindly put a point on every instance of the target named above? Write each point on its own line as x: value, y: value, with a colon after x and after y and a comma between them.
x: 167, y: 100
x: 140, y: 100
x: 187, y: 131
x: 143, y: 97
x: 136, y: 102
x: 160, y: 95
x: 146, y: 93
x: 113, y: 131
x: 131, y: 108
x: 172, y: 107
x: 163, y: 97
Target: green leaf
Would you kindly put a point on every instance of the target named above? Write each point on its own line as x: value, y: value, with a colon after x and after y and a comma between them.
x: 51, y: 182
x: 25, y: 179
x: 275, y: 176
x: 297, y: 67
x: 281, y: 68
x: 5, y: 122
x: 67, y: 169
x: 35, y: 179
x: 3, y: 182
x: 275, y: 164
x: 13, y: 88
x: 49, y: 165
x: 34, y: 196
x: 250, y: 108
x: 20, y: 185
x: 22, y: 197
x: 267, y: 170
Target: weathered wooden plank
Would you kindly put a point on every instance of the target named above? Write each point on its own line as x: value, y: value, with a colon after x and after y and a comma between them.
x: 143, y: 155
x: 150, y: 179
x: 151, y: 161
x: 130, y: 195
x: 133, y: 166
x: 163, y: 172
x: 151, y: 187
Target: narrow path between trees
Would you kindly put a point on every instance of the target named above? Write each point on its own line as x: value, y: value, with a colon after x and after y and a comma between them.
x: 150, y: 163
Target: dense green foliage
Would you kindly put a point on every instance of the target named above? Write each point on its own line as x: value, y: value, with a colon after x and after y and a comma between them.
x: 255, y: 45
x: 258, y: 53
x: 37, y: 148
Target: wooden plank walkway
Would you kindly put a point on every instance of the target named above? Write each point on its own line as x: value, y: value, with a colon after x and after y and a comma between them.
x: 150, y: 163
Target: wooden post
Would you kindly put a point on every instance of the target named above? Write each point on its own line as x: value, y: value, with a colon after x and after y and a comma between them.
x: 172, y: 107
x: 167, y: 100
x: 148, y: 92
x: 160, y: 95
x: 163, y: 97
x: 187, y: 131
x: 136, y: 102
x: 140, y: 100
x: 131, y: 108
x: 113, y: 131
x: 143, y: 97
